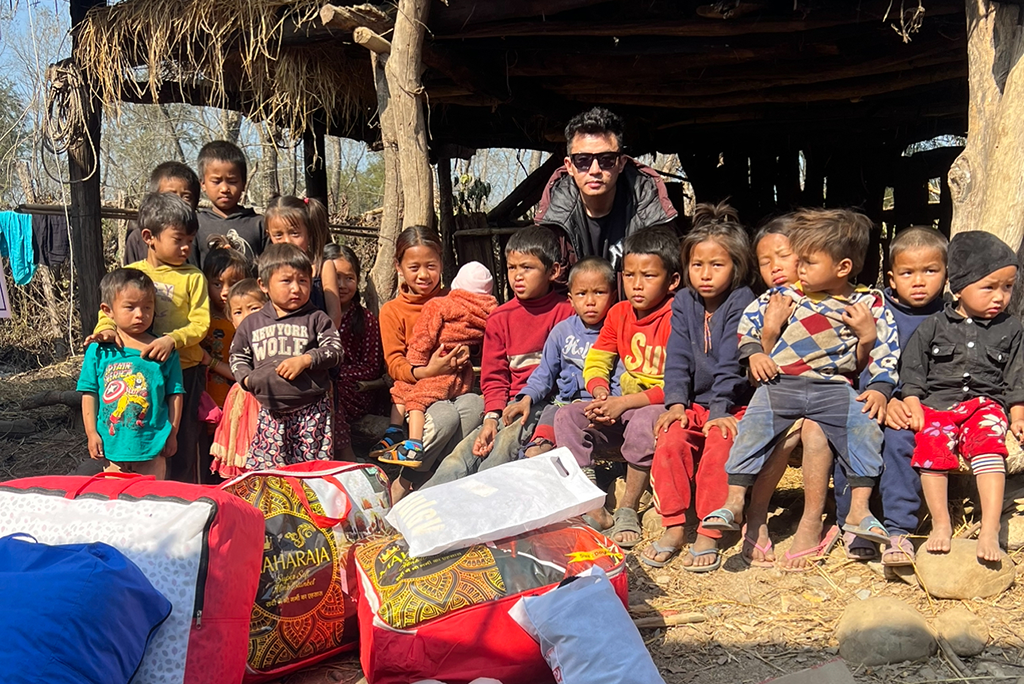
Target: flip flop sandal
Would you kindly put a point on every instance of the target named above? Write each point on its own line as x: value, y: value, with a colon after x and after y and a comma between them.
x: 864, y: 530
x: 899, y: 545
x: 729, y: 523
x: 626, y: 520
x: 704, y: 568
x: 852, y: 542
x: 407, y: 453
x: 819, y: 552
x: 763, y: 549
x: 392, y: 437
x: 658, y: 548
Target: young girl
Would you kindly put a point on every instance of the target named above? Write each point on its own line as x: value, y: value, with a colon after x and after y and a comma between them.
x: 231, y: 441
x: 706, y: 389
x: 304, y: 223
x: 223, y: 268
x: 418, y: 263
x: 363, y: 358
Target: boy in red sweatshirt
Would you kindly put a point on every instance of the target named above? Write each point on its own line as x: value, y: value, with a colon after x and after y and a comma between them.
x: 635, y: 332
x: 513, y: 345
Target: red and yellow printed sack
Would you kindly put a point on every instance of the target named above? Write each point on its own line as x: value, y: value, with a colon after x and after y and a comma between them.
x: 313, y: 513
x: 446, y: 617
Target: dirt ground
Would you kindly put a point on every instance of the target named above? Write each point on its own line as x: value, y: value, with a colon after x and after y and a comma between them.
x: 759, y: 623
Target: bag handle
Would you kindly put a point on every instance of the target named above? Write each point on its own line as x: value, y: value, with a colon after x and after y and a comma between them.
x: 321, y: 521
x: 130, y: 478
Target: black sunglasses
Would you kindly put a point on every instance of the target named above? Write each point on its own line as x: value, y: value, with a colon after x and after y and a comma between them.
x: 584, y: 160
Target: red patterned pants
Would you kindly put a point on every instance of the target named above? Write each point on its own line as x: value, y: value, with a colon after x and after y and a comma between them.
x: 287, y: 437
x: 974, y: 428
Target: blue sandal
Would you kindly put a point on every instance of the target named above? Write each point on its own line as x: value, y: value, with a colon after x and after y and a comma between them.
x: 865, y: 530
x: 408, y: 453
x: 392, y: 436
x: 704, y: 568
x: 728, y: 523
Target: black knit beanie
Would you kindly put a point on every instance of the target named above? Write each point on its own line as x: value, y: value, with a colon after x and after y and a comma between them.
x: 973, y: 255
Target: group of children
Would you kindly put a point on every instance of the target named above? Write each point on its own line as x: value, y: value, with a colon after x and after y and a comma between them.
x: 703, y: 388
x: 253, y: 360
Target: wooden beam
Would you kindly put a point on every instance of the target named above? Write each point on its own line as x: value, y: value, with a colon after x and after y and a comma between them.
x: 456, y: 16
x: 526, y: 194
x: 371, y: 41
x: 446, y: 209
x: 347, y: 19
x: 84, y: 167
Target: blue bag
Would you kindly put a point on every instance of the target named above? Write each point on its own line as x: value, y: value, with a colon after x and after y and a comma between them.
x: 73, y: 613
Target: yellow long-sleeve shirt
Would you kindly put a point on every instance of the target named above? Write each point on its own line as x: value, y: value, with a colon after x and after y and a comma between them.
x: 182, y: 308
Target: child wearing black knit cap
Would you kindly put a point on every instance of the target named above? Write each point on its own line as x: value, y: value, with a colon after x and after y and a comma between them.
x: 963, y: 371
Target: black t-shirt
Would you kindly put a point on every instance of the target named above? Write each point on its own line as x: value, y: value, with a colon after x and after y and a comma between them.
x: 607, y: 232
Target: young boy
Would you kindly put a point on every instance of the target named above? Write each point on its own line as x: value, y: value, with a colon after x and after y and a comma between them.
x: 917, y: 258
x: 282, y: 354
x: 131, y: 405
x: 834, y: 327
x: 513, y: 343
x: 172, y: 177
x: 181, y: 318
x: 635, y: 332
x: 223, y: 173
x: 964, y: 371
x: 592, y: 291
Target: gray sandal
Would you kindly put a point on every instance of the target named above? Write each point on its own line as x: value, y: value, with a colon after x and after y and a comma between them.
x: 672, y: 551
x: 704, y: 568
x: 626, y: 520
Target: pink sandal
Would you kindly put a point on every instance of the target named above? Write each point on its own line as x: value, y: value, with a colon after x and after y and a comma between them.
x: 765, y: 550
x: 819, y: 552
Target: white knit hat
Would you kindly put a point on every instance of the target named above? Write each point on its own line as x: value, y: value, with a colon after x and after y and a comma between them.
x: 474, y: 277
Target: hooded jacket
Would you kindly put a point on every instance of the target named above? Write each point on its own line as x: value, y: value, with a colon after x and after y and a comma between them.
x: 647, y: 205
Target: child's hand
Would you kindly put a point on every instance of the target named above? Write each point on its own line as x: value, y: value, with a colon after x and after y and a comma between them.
x: 776, y: 315
x: 897, y: 415
x: 859, y: 319
x: 611, y: 409
x: 677, y: 412
x: 595, y: 411
x: 159, y: 349
x: 289, y: 369
x: 103, y: 337
x: 484, y: 441
x: 1017, y: 429
x: 874, y: 404
x: 762, y: 367
x: 516, y: 409
x: 95, y: 446
x: 170, y: 446
x: 727, y: 424
x: 916, y: 415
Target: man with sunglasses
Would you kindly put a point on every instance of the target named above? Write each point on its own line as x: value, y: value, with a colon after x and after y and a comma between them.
x: 601, y: 195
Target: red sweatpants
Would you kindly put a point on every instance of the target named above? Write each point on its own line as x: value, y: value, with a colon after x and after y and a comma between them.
x: 683, y: 458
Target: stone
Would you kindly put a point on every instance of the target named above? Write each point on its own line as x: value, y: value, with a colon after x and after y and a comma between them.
x: 883, y: 630
x: 960, y: 575
x: 966, y: 633
x: 1015, y: 533
x: 651, y: 521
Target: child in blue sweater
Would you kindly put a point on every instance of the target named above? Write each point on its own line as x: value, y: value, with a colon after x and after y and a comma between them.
x: 592, y: 287
x: 917, y: 259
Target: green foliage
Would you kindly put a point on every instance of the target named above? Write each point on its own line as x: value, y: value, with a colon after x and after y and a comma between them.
x: 470, y: 193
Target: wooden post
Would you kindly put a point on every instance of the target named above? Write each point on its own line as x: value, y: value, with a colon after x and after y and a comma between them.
x: 446, y: 208
x: 403, y: 74
x: 985, y: 181
x: 313, y: 163
x: 382, y: 280
x: 83, y: 160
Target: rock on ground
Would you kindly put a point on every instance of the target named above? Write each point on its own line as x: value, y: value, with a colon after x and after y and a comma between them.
x: 960, y: 575
x: 1015, y: 533
x: 966, y: 633
x: 883, y: 630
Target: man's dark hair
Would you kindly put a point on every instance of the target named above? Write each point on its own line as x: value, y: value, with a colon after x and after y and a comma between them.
x: 660, y: 242
x: 222, y: 151
x: 178, y: 171
x: 535, y: 241
x: 595, y: 121
x: 283, y: 255
x: 121, y: 279
x: 161, y: 210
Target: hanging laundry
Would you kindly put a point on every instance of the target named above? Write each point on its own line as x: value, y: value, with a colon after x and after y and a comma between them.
x: 50, y: 239
x: 16, y: 245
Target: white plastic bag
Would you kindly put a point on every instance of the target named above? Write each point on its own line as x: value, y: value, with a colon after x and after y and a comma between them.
x: 494, y: 504
x: 586, y: 634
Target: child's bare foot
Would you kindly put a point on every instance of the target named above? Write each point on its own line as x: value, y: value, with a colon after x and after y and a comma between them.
x: 807, y: 537
x: 988, y: 546
x: 696, y: 559
x: 940, y: 539
x: 660, y: 552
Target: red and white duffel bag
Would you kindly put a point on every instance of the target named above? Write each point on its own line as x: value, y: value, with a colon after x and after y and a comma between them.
x: 446, y: 617
x: 304, y: 610
x: 199, y: 547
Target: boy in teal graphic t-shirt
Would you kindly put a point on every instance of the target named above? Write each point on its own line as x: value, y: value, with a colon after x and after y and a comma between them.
x: 131, y: 405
